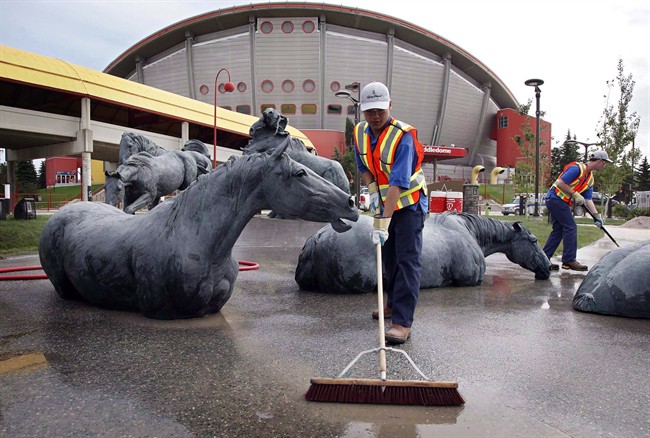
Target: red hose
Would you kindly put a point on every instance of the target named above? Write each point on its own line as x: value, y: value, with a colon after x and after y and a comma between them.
x: 243, y: 266
x: 248, y: 266
x: 22, y: 277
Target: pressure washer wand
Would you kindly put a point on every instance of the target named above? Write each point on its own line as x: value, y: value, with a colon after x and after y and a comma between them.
x: 602, y: 227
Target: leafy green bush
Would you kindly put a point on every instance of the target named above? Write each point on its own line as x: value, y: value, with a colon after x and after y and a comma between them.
x: 620, y: 210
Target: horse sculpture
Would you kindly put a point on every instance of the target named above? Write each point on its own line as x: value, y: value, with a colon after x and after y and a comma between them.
x: 131, y: 143
x: 619, y: 284
x: 454, y: 247
x: 146, y: 178
x: 268, y: 132
x: 176, y: 261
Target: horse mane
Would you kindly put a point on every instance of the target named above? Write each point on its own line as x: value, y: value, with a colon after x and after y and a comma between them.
x: 141, y: 159
x: 196, y: 146
x: 234, y: 174
x: 486, y: 230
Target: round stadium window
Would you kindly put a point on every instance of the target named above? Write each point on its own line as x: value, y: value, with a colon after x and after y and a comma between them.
x: 309, y: 85
x: 287, y: 86
x: 267, y: 86
x: 287, y: 27
x: 266, y: 27
x: 308, y: 26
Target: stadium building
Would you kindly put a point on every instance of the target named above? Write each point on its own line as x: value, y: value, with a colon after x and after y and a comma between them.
x: 295, y: 57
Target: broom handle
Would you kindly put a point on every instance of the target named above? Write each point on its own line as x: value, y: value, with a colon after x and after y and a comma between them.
x: 603, y: 228
x: 380, y: 304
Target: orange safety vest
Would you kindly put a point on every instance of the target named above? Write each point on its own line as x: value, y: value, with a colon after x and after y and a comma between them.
x: 384, y: 154
x: 580, y: 184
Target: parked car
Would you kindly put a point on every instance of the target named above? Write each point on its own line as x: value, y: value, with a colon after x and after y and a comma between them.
x: 513, y: 206
x: 364, y: 199
x: 597, y: 198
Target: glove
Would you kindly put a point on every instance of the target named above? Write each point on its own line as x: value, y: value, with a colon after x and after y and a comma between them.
x: 374, y: 201
x: 374, y: 196
x: 380, y: 230
x: 578, y: 199
x: 598, y: 220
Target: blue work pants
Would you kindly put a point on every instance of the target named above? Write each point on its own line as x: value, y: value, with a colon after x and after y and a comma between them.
x: 565, y: 230
x: 402, y: 254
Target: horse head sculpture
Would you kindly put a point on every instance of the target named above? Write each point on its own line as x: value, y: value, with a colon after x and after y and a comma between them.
x: 269, y: 132
x: 131, y: 143
x: 526, y: 252
x: 113, y: 188
x: 315, y: 203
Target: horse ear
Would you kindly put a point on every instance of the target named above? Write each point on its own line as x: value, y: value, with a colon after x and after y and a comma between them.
x: 517, y: 225
x: 106, y: 173
x: 278, y: 151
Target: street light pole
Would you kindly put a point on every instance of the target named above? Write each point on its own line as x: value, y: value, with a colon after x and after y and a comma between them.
x: 586, y: 145
x: 228, y: 87
x: 536, y: 83
x: 355, y: 86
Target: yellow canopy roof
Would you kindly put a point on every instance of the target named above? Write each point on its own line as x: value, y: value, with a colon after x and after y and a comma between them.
x: 30, y: 68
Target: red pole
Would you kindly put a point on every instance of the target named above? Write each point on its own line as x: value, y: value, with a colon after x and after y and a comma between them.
x: 228, y: 87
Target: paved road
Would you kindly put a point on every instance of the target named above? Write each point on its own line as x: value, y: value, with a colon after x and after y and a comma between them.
x: 527, y: 364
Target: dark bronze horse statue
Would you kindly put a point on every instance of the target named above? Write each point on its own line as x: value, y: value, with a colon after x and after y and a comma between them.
x: 269, y: 132
x: 136, y: 187
x: 454, y: 247
x: 176, y: 261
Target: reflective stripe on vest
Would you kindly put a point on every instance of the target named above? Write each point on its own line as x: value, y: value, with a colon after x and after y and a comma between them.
x: 580, y: 184
x: 387, y: 146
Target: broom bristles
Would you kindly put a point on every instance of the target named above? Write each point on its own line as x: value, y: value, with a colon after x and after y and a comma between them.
x: 386, y: 392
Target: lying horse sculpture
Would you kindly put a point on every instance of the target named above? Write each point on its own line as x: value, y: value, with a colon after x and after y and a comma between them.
x: 619, y: 284
x: 146, y: 178
x: 268, y: 132
x: 176, y: 261
x: 454, y: 247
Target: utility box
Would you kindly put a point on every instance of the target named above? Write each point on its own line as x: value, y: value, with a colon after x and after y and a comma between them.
x: 25, y: 209
x: 470, y: 198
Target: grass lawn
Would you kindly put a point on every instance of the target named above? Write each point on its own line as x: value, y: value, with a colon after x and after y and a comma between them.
x: 19, y: 236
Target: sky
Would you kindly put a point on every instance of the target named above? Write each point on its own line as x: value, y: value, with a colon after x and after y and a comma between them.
x: 573, y: 45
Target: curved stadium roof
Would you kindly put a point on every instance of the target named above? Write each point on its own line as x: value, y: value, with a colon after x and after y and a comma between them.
x: 437, y: 86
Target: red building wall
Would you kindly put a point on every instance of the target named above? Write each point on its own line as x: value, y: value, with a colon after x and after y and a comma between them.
x: 508, y: 125
x: 62, y: 170
x: 326, y: 141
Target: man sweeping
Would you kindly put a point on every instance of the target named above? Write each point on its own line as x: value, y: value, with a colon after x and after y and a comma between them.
x: 389, y: 157
x: 573, y: 186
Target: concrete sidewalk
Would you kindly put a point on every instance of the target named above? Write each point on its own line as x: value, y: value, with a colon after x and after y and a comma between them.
x: 527, y: 363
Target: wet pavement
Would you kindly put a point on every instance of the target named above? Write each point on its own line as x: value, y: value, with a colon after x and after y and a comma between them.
x: 526, y: 362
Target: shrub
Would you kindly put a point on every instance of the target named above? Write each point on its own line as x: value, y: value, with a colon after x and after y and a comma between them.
x: 621, y: 210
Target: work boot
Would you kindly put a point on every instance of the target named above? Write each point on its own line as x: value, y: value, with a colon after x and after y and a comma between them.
x: 388, y: 313
x: 398, y: 334
x: 575, y: 266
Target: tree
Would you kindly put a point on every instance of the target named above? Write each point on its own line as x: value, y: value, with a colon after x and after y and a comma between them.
x: 348, y: 160
x: 524, y: 177
x: 26, y: 179
x: 618, y: 131
x: 563, y: 155
x: 42, y: 180
x: 642, y: 177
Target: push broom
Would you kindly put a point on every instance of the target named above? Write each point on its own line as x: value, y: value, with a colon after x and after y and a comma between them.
x: 382, y: 391
x: 602, y: 227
